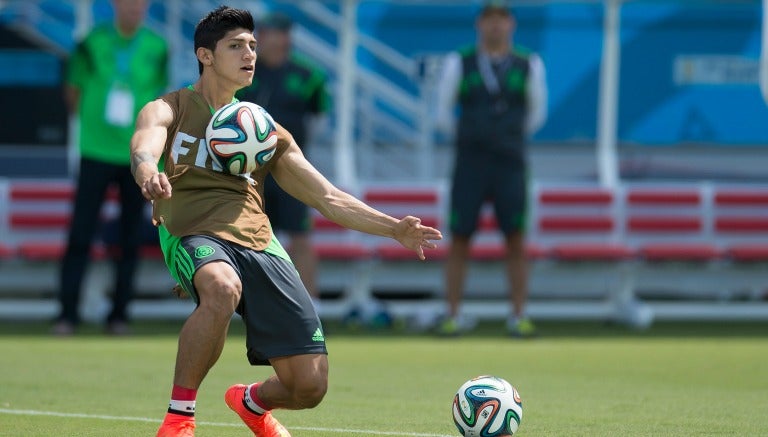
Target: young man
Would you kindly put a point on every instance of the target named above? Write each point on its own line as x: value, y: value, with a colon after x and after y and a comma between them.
x: 219, y: 245
x: 502, y: 94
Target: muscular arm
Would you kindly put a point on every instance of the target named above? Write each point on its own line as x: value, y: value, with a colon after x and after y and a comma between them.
x: 300, y: 179
x: 147, y: 146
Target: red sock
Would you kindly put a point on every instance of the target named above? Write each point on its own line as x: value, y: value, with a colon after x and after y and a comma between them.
x: 182, y: 401
x: 252, y: 400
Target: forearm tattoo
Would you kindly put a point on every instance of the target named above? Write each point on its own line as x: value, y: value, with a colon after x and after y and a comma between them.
x: 138, y: 158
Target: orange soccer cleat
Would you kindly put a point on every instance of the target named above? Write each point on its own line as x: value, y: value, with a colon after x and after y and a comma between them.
x: 176, y: 425
x: 262, y: 425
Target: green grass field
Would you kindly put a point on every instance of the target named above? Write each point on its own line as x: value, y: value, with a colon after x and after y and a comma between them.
x: 577, y: 379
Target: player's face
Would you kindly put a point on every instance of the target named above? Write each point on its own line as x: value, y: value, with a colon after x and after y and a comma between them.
x: 235, y: 57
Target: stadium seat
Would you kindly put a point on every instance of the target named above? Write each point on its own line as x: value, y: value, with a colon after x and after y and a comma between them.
x: 667, y: 224
x: 741, y: 223
x: 6, y: 252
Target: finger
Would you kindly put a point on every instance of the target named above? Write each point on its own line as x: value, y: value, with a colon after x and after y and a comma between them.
x: 146, y: 189
x: 166, y: 187
x: 167, y: 192
x: 413, y: 221
x: 146, y: 194
x: 420, y: 252
x: 437, y: 235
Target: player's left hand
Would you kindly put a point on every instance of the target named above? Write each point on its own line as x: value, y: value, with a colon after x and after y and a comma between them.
x: 412, y: 234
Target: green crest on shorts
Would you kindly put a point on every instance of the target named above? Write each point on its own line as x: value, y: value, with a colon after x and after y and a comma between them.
x: 204, y: 251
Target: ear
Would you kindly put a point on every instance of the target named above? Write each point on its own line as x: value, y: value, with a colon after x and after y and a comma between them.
x: 205, y: 56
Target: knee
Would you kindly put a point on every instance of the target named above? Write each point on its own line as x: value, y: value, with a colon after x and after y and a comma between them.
x: 309, y: 394
x: 221, y: 294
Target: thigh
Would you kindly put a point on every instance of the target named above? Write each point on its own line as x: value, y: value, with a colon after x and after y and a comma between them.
x: 277, y: 310
x: 510, y: 199
x: 132, y: 203
x: 469, y: 190
x: 92, y: 182
x: 192, y: 254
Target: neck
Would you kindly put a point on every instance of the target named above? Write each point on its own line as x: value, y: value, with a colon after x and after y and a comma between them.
x: 496, y: 49
x: 214, y: 93
x: 272, y: 60
x: 126, y: 31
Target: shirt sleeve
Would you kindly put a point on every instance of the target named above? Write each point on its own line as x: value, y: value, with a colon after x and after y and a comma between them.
x: 319, y: 101
x: 77, y: 70
x: 537, y: 95
x: 165, y: 75
x: 447, y: 92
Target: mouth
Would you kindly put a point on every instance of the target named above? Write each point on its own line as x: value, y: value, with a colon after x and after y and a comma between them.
x: 248, y: 68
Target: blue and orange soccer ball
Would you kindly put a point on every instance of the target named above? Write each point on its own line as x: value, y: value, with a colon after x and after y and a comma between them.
x: 241, y: 137
x: 487, y: 406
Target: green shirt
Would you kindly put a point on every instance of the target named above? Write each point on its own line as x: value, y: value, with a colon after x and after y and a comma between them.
x: 116, y: 77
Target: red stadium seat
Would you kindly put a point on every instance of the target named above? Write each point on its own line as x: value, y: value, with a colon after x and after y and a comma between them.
x: 741, y: 224
x: 679, y: 252
x: 405, y: 196
x: 663, y: 223
x: 741, y: 197
x: 663, y: 197
x: 39, y: 220
x: 341, y: 251
x: 6, y: 252
x: 576, y: 223
x: 591, y: 252
x: 396, y: 252
x: 41, y: 251
x: 590, y: 197
x: 41, y: 192
x: 748, y: 252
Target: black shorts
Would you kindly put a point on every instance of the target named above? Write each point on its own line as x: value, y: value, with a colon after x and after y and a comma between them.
x: 484, y: 177
x: 276, y: 308
x: 285, y: 212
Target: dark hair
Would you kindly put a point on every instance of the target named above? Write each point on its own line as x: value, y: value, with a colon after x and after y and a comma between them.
x: 212, y: 28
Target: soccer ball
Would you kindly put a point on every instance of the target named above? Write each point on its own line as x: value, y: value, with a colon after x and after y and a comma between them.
x: 487, y: 406
x: 241, y: 137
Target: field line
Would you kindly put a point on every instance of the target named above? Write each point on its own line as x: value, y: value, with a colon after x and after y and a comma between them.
x: 219, y: 424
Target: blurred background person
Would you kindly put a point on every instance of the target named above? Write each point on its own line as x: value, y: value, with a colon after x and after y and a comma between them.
x: 116, y: 69
x: 294, y: 92
x: 501, y: 94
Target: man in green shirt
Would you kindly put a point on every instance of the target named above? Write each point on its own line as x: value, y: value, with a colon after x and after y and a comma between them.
x: 116, y: 69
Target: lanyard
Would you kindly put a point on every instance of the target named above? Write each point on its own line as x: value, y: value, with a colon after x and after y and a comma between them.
x: 123, y: 56
x: 489, y: 74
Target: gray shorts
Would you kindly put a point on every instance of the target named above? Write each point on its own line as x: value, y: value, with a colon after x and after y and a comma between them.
x: 279, y: 316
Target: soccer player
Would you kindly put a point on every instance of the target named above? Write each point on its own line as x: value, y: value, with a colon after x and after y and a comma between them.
x: 219, y: 246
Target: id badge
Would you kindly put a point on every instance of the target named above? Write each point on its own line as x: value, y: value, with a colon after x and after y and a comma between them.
x: 119, y: 111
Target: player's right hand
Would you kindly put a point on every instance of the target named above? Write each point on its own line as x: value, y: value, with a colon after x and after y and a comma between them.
x: 156, y: 187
